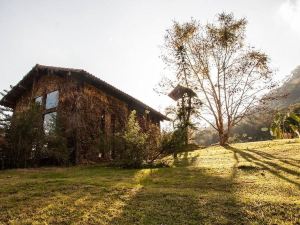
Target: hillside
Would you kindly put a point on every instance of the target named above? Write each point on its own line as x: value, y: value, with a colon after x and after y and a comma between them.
x: 253, y: 183
x: 291, y: 88
x: 253, y: 125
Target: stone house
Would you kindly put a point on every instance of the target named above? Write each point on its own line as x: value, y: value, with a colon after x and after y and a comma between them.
x: 88, y: 106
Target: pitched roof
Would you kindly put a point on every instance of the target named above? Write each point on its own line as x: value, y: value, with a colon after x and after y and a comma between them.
x: 9, y: 100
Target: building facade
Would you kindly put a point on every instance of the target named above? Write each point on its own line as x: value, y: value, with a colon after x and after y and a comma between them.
x: 87, y: 106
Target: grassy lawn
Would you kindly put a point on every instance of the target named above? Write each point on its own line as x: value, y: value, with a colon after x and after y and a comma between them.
x: 252, y: 183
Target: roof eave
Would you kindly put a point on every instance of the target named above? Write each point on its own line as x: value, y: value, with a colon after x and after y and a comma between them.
x: 5, y: 101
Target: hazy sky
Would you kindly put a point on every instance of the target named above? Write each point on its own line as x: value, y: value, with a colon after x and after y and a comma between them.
x: 118, y: 41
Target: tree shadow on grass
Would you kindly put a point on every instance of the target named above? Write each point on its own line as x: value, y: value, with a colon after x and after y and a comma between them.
x: 183, y: 160
x: 180, y: 195
x: 265, y: 164
x: 271, y: 157
x: 82, y: 198
x: 185, y: 195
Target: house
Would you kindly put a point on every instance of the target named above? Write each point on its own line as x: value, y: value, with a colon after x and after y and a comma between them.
x: 89, y: 106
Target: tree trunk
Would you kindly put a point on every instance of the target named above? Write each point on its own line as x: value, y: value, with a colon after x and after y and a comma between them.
x: 223, y: 138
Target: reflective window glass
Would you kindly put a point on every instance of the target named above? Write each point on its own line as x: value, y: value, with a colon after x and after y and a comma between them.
x: 52, y: 100
x: 39, y: 100
x: 49, y: 122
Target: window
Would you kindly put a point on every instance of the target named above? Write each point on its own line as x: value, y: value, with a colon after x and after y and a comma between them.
x: 49, y: 122
x: 39, y: 100
x: 52, y: 100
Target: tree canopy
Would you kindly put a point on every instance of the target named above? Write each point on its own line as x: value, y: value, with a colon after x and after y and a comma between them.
x: 230, y: 77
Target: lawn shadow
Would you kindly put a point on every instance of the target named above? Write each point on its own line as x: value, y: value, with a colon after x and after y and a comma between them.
x: 185, y: 195
x: 183, y: 160
x: 265, y: 164
x: 271, y: 157
x: 91, y: 196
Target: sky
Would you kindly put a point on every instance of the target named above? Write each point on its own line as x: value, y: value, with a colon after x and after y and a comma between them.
x: 120, y: 41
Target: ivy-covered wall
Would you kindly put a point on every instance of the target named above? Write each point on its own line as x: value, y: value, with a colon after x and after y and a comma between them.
x: 89, y: 116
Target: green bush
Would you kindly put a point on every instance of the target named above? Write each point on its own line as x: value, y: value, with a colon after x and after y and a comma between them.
x: 25, y: 138
x: 29, y: 145
x: 135, y: 151
x: 153, y: 143
x: 173, y: 142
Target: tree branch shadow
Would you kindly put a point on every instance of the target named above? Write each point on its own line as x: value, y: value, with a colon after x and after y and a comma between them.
x: 185, y: 194
x: 266, y: 165
x: 183, y: 160
x: 271, y: 157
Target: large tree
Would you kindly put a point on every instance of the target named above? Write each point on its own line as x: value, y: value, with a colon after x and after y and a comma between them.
x: 229, y: 76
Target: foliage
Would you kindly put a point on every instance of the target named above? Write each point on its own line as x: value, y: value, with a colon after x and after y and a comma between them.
x: 103, y: 145
x: 28, y: 144
x: 153, y: 143
x: 183, y: 114
x: 286, y: 124
x: 229, y: 77
x: 254, y: 128
x: 135, y: 151
x: 206, y: 136
x: 174, y: 141
x: 5, y: 120
x: 140, y: 147
x: 25, y: 138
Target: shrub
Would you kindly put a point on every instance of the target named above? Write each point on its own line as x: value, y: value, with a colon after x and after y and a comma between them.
x: 29, y: 144
x: 153, y: 143
x: 135, y: 140
x: 173, y: 142
x: 25, y: 138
